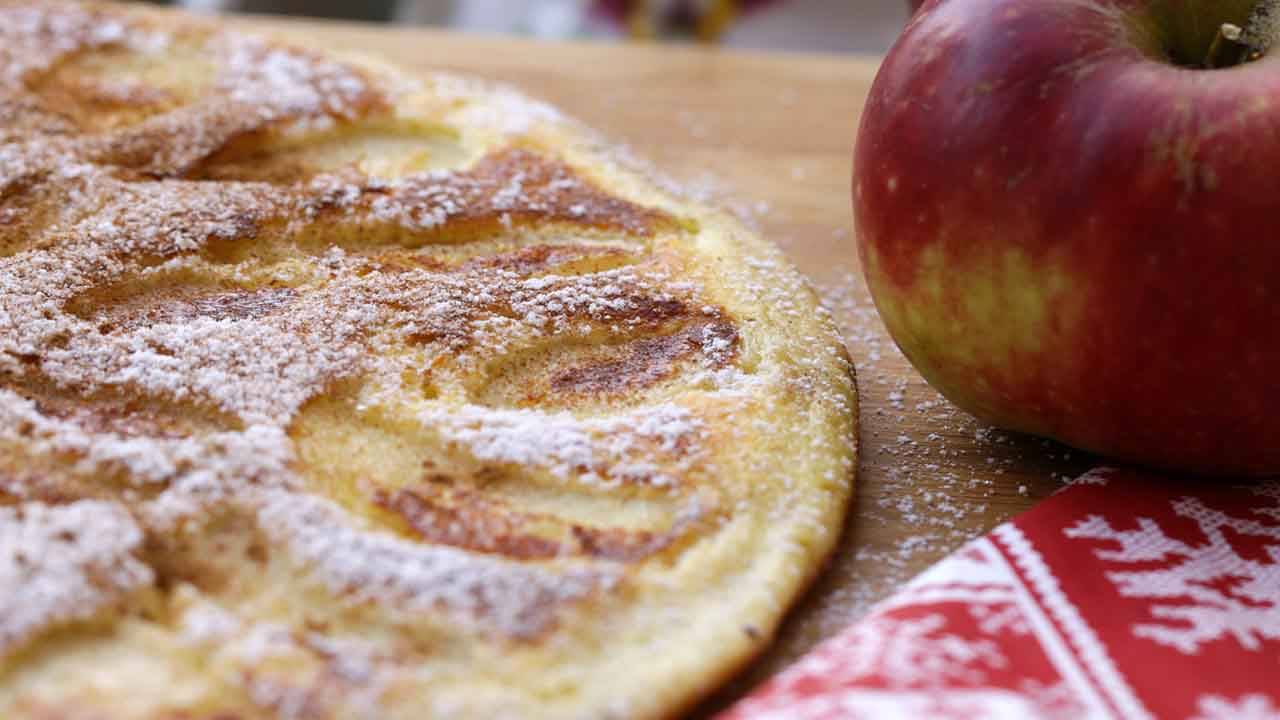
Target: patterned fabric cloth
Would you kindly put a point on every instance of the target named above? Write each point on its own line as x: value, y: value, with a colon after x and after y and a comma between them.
x: 1123, y: 596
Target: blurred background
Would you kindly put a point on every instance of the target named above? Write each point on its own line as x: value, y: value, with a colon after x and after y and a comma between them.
x: 850, y: 26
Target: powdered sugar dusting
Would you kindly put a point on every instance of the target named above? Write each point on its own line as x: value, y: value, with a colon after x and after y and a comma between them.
x: 67, y: 563
x: 642, y: 447
x: 288, y: 81
x: 32, y: 38
x: 493, y: 108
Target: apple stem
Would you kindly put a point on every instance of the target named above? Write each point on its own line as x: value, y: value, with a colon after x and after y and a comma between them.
x: 1234, y: 45
x: 1226, y: 49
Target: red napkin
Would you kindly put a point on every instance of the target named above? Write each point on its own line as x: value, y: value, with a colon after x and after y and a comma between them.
x: 1123, y: 596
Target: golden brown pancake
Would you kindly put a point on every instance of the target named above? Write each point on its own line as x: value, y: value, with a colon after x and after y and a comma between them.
x: 332, y: 392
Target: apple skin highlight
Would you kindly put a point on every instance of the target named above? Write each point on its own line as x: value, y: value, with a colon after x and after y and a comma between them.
x: 1073, y: 236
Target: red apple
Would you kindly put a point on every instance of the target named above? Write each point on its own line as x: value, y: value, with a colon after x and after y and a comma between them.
x: 1072, y: 229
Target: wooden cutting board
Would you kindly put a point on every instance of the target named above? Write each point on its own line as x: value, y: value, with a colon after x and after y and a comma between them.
x: 771, y: 135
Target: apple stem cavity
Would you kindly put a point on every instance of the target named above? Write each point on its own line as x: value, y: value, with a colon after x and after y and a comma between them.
x: 1235, y: 45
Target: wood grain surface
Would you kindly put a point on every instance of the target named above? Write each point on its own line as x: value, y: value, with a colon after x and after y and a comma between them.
x: 771, y: 136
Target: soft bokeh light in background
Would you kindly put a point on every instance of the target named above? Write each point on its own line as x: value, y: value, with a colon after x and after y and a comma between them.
x: 862, y: 26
